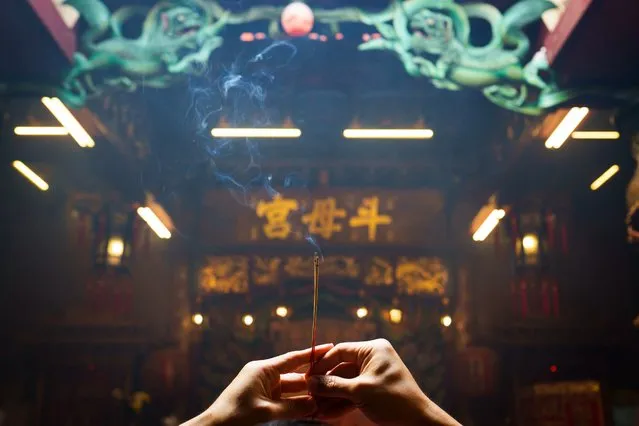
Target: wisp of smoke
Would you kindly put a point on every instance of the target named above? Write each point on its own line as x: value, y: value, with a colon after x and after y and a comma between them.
x: 239, y: 96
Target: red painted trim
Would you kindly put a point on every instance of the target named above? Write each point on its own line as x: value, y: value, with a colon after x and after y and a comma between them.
x: 50, y: 17
x: 550, y: 230
x: 545, y: 298
x: 524, y: 298
x: 514, y: 293
x: 82, y: 228
x: 555, y: 299
x: 555, y: 41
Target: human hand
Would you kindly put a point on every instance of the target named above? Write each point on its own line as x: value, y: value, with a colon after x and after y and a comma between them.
x: 255, y: 395
x: 384, y: 390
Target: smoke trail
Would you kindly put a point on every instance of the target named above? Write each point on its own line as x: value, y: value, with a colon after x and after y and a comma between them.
x: 239, y: 96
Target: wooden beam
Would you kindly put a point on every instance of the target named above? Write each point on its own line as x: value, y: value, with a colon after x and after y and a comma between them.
x: 50, y: 17
x: 555, y: 40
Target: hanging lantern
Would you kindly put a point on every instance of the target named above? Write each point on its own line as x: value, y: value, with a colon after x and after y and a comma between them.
x: 113, y: 238
x: 530, y: 239
x: 537, y: 238
x: 527, y: 249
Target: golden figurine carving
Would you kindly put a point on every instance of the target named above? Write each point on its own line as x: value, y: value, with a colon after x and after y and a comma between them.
x: 341, y: 266
x: 299, y: 267
x: 380, y: 273
x: 227, y: 274
x: 421, y: 275
x: 266, y: 271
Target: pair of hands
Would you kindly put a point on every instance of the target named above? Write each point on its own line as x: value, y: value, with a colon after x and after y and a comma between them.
x: 367, y: 375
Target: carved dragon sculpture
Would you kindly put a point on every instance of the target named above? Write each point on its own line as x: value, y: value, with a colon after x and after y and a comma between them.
x: 176, y: 40
x: 433, y: 39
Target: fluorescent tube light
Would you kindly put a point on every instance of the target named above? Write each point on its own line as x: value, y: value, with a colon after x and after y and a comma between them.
x: 73, y: 126
x: 31, y: 175
x: 596, y: 135
x: 227, y: 132
x: 605, y: 177
x: 388, y: 133
x: 154, y: 223
x: 488, y: 225
x: 40, y: 131
x: 568, y: 125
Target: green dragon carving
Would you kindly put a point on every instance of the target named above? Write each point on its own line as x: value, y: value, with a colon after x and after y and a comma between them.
x: 432, y: 39
x: 175, y: 40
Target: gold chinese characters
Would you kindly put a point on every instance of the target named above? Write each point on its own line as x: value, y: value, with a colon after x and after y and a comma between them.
x: 324, y: 219
x: 276, y: 213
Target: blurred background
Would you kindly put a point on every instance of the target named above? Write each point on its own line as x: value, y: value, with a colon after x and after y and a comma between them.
x: 168, y: 170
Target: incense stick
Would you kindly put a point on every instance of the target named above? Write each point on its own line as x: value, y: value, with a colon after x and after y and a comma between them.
x: 316, y: 261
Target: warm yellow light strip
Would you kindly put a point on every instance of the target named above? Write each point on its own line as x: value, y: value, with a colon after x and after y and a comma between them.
x: 40, y: 131
x: 226, y: 132
x: 31, y: 175
x: 154, y: 222
x: 388, y: 133
x: 568, y: 125
x: 73, y: 126
x: 605, y: 177
x: 596, y: 135
x: 488, y: 225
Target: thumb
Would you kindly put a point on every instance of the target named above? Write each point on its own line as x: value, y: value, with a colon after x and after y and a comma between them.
x: 332, y: 387
x: 292, y: 408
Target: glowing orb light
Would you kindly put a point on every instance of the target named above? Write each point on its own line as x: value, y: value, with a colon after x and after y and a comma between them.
x: 297, y: 19
x: 395, y: 316
x: 446, y: 320
x: 248, y: 320
x: 197, y: 319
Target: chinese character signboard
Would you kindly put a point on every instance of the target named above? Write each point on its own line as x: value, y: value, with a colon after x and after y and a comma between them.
x: 324, y: 218
x: 408, y: 218
x: 276, y: 214
x: 237, y: 274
